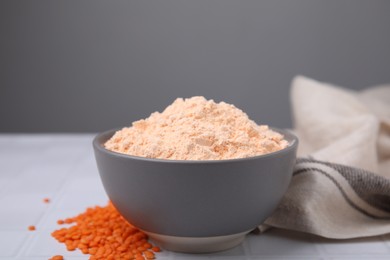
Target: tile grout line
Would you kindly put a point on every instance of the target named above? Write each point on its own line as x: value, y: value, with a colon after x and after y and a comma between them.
x: 8, y: 188
x: 245, y: 246
x: 31, y: 163
x: 386, y: 241
x: 67, y: 179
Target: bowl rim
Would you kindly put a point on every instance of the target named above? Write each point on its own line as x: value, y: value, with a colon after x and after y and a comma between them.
x: 98, y: 145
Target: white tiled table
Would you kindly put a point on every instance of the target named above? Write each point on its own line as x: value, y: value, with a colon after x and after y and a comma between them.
x: 62, y: 168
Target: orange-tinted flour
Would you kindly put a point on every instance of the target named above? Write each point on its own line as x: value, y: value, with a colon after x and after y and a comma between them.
x: 196, y: 129
x: 102, y: 233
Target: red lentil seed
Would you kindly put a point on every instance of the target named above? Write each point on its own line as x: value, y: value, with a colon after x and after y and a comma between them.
x: 31, y: 228
x: 102, y: 233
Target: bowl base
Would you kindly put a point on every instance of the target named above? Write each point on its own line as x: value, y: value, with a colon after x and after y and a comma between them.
x: 197, y: 244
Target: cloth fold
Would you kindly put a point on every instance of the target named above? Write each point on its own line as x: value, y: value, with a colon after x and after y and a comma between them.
x: 341, y: 182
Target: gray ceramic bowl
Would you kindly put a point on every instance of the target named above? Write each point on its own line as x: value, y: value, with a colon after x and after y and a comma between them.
x: 195, y: 206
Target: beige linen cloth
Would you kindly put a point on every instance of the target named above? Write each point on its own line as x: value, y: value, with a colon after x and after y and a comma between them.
x: 341, y: 183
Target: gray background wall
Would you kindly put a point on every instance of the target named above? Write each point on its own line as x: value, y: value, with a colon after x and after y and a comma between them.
x: 92, y: 65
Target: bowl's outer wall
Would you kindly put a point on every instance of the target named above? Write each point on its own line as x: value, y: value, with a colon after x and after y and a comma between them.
x: 195, y: 199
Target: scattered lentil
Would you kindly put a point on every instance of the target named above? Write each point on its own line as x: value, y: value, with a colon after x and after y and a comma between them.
x: 31, y: 228
x: 102, y: 233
